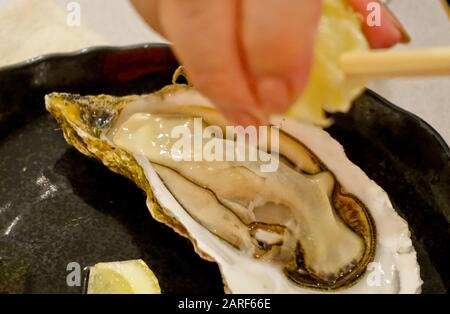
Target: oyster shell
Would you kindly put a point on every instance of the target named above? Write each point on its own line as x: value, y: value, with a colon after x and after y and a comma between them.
x: 316, y: 224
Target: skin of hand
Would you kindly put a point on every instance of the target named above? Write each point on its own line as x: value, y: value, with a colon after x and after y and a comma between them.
x: 252, y: 58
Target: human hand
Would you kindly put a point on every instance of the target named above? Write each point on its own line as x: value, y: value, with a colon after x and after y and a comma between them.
x: 252, y: 58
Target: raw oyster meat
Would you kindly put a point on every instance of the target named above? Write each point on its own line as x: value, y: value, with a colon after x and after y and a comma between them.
x: 317, y: 224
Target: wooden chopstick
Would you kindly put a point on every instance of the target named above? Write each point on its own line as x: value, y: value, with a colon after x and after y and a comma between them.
x: 396, y: 63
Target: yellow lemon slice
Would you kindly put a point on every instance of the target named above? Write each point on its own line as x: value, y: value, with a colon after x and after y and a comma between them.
x: 328, y: 89
x: 128, y: 277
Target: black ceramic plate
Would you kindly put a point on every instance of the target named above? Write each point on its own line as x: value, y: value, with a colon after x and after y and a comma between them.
x: 57, y: 206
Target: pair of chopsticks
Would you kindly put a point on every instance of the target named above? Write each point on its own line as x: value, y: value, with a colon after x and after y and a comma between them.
x: 394, y: 63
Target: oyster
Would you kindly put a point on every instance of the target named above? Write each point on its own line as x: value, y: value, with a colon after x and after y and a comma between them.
x: 316, y: 224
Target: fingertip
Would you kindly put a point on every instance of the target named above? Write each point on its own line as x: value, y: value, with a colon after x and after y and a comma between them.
x: 245, y: 119
x: 389, y: 33
x: 380, y: 39
x: 273, y: 94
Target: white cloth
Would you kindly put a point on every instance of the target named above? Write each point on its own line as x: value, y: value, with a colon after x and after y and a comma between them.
x: 29, y: 28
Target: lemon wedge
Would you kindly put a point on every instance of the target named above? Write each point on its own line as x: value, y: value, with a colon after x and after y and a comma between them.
x: 328, y: 90
x: 128, y: 277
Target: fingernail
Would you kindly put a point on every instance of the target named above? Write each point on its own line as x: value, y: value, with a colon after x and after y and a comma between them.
x: 244, y: 119
x: 258, y: 114
x: 405, y: 38
x: 273, y: 94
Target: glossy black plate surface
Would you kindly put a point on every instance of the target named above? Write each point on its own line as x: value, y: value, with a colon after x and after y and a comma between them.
x: 58, y: 207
